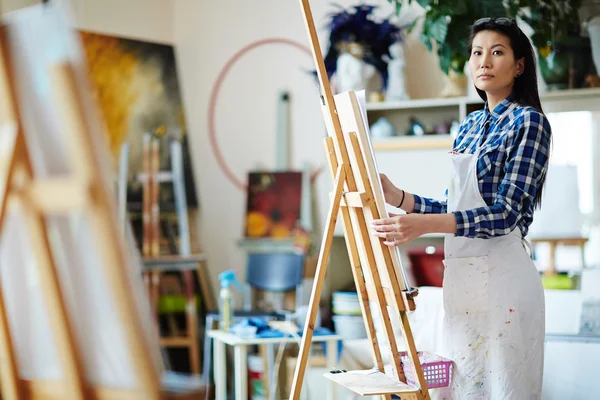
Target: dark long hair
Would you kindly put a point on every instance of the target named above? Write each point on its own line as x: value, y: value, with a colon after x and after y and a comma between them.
x: 525, y: 88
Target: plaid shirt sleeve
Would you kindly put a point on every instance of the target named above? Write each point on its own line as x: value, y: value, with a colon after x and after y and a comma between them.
x: 425, y: 205
x: 526, y: 160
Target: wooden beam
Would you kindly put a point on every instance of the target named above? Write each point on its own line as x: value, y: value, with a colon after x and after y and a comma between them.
x: 315, y: 295
x: 9, y: 369
x: 62, y: 328
x: 357, y: 199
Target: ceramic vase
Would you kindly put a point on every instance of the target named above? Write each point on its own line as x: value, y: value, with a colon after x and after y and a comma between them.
x: 594, y: 32
x: 457, y: 85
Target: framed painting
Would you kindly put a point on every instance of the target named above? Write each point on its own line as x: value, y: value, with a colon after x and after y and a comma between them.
x: 273, y: 204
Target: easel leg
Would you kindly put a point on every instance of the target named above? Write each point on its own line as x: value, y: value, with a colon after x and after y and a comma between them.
x: 9, y: 370
x: 357, y: 273
x: 192, y: 333
x: 147, y: 208
x: 9, y: 373
x: 315, y: 296
x: 60, y: 323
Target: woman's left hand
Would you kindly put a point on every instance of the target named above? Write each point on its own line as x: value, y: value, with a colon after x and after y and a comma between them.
x: 399, y: 228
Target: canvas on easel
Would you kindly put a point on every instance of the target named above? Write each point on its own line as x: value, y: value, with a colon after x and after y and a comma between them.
x: 378, y: 274
x: 74, y: 319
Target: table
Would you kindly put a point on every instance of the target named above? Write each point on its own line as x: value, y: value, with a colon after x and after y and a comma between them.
x: 571, y: 367
x: 554, y: 243
x: 221, y: 339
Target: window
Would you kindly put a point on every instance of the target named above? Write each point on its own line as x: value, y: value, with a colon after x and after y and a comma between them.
x: 570, y: 202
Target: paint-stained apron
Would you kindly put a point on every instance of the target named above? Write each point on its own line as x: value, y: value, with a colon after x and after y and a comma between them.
x: 493, y: 306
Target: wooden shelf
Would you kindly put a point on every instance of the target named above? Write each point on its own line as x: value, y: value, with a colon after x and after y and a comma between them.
x: 426, y: 142
x: 267, y: 245
x: 570, y: 94
x: 565, y: 241
x: 429, y: 110
x: 417, y: 103
x: 546, y: 98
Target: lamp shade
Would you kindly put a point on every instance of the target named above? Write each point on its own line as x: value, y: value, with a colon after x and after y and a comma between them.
x: 559, y: 215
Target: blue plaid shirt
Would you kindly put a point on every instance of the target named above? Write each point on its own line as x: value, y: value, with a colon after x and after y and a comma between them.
x: 514, y: 155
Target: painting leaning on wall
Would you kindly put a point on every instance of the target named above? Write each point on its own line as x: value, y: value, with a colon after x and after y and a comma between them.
x: 137, y: 89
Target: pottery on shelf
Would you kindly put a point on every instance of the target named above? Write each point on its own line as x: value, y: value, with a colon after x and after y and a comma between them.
x: 382, y: 129
x: 352, y: 73
x: 457, y: 85
x: 396, y: 86
x: 594, y: 32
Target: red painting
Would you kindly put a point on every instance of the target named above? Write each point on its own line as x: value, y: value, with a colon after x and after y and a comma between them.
x: 273, y: 207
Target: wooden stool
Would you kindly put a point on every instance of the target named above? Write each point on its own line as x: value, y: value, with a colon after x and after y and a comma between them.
x: 154, y: 268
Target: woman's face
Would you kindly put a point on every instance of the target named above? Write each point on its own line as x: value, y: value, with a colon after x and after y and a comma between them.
x: 492, y: 63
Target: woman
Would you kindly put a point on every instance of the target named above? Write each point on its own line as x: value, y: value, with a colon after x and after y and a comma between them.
x: 493, y: 297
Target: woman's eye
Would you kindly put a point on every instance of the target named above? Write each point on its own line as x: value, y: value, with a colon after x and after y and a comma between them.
x: 476, y: 53
x: 497, y: 52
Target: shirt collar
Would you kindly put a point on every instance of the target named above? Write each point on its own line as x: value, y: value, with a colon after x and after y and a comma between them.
x: 500, y: 109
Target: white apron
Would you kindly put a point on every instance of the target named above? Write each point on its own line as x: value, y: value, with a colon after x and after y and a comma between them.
x: 493, y: 306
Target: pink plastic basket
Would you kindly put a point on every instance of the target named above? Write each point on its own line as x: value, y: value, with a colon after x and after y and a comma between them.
x: 437, y: 370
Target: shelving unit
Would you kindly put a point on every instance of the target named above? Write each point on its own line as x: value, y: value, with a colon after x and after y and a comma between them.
x: 436, y: 110
x: 419, y: 164
x: 413, y: 142
x: 418, y: 103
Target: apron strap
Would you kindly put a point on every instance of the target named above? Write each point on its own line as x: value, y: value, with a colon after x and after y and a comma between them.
x: 527, y: 247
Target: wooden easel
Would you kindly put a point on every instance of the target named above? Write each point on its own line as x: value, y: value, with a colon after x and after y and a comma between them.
x: 36, y: 198
x: 377, y: 272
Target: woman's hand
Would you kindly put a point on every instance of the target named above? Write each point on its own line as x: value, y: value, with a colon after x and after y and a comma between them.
x: 399, y: 229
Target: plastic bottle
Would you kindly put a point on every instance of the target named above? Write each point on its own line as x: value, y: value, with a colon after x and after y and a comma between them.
x: 225, y: 312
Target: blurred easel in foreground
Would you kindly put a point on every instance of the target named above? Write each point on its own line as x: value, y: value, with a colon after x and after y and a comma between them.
x: 74, y: 321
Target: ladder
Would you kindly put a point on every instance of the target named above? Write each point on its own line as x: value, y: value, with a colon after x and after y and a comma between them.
x: 155, y: 262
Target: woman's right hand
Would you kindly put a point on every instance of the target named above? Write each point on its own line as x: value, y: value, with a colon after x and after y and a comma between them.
x: 391, y: 193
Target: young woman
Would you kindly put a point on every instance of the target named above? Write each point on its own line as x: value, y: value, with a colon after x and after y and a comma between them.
x: 493, y: 297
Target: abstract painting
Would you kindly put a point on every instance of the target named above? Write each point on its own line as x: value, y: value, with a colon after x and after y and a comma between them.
x: 137, y: 89
x: 273, y: 204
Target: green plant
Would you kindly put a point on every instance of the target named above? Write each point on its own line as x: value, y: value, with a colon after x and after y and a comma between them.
x: 550, y: 19
x: 446, y: 26
x: 564, y: 55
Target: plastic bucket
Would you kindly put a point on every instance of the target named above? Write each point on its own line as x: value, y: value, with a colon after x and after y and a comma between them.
x: 350, y: 327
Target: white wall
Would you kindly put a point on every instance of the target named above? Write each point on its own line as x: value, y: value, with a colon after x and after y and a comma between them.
x: 150, y: 20
x: 207, y: 35
x: 11, y: 5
